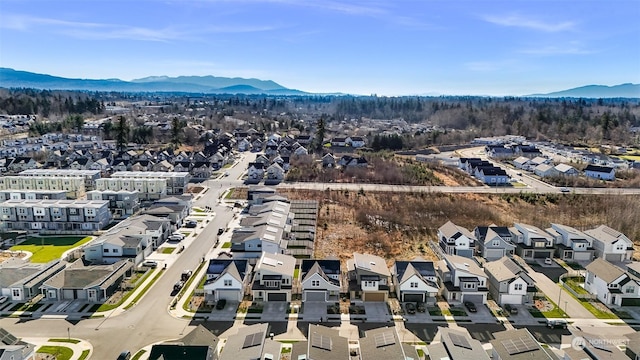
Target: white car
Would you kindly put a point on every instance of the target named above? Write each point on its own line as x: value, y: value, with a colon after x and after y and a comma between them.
x: 178, y: 234
x: 3, y: 299
x: 564, y: 189
x: 548, y: 261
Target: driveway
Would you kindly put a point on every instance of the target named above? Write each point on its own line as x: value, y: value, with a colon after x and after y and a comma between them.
x: 483, y: 332
x: 482, y: 315
x: 545, y: 335
x: 275, y: 311
x: 377, y: 311
x: 226, y: 314
x: 316, y: 311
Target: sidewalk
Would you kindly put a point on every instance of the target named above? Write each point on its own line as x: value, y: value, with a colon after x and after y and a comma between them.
x: 77, y: 348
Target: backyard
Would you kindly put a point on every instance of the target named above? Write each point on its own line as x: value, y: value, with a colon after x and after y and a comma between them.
x: 45, y: 249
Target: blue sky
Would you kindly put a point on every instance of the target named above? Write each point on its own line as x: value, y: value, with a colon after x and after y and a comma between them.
x: 397, y: 47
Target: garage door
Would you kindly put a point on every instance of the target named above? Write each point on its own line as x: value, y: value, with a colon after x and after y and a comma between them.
x: 67, y: 294
x: 613, y: 257
x: 413, y: 297
x: 476, y: 299
x: 494, y: 253
x: 277, y: 297
x: 630, y: 302
x: 230, y: 295
x: 373, y: 297
x: 510, y: 299
x: 315, y: 296
x: 542, y: 254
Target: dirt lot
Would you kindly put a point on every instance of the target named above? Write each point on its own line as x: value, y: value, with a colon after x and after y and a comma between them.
x: 4, y: 255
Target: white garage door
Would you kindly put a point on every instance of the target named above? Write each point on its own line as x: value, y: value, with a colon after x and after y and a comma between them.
x: 510, y: 299
x: 230, y: 295
x: 315, y: 296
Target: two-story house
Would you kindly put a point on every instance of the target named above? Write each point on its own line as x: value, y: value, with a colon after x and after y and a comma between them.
x: 508, y: 282
x: 532, y: 243
x: 255, y: 172
x: 415, y: 280
x: 571, y: 244
x: 611, y: 244
x: 462, y: 280
x: 320, y: 280
x: 250, y: 242
x: 611, y: 285
x: 456, y: 344
x: 494, y: 242
x: 226, y: 279
x: 273, y: 277
x: 369, y: 277
x: 456, y: 240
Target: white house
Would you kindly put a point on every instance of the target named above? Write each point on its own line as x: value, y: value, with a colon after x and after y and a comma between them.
x: 456, y: 240
x: 610, y: 284
x: 545, y: 170
x: 320, y: 280
x: 355, y: 141
x: 226, y: 279
x: 508, y: 282
x: 611, y: 244
x: 566, y: 170
x: 571, y: 244
x: 600, y: 172
x: 532, y: 242
x: 415, y: 281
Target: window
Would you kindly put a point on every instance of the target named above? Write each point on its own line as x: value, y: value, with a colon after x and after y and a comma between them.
x: 228, y: 282
x: 16, y: 293
x: 495, y: 243
x: 315, y: 282
x: 518, y: 287
x: 414, y: 284
x: 469, y: 286
x: 105, y: 250
x: 630, y: 290
x: 369, y: 283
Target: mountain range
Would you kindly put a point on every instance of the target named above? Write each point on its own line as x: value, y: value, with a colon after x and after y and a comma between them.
x: 10, y: 78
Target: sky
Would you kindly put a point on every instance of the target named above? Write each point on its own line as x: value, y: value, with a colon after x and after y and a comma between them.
x: 399, y: 47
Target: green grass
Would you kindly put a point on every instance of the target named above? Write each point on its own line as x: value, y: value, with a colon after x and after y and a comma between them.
x: 50, y: 248
x: 72, y: 341
x: 229, y: 193
x: 630, y: 157
x: 60, y: 352
x: 138, y: 355
x: 286, y: 350
x: 144, y: 291
x: 226, y: 245
x: 420, y: 353
x: 168, y: 250
x: 594, y: 310
x: 107, y: 307
x: 296, y: 272
x: 457, y: 312
x: 574, y: 284
x: 84, y: 355
x: 435, y: 311
x: 198, y: 210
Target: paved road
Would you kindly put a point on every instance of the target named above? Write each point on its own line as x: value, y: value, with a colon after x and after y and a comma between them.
x: 149, y: 321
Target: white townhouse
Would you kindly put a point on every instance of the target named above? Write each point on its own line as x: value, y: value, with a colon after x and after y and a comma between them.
x: 611, y: 285
x: 610, y: 244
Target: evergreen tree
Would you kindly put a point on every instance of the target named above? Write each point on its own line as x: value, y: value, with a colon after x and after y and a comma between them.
x: 122, y: 133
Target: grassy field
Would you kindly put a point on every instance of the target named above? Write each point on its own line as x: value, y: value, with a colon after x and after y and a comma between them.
x: 45, y: 249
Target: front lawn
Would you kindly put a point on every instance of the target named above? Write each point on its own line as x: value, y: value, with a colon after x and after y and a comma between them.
x: 60, y: 352
x: 45, y: 249
x: 168, y: 250
x: 226, y: 245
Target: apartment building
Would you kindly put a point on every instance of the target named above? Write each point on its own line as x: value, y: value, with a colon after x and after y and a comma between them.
x: 122, y: 204
x: 177, y: 182
x: 147, y: 188
x: 89, y: 176
x: 55, y: 216
x: 74, y: 186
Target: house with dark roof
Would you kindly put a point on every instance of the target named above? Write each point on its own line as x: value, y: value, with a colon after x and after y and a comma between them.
x: 456, y: 240
x: 273, y: 277
x: 226, y: 279
x: 508, y: 282
x: 415, y: 280
x: 13, y: 348
x: 600, y: 172
x: 499, y: 152
x: 611, y: 284
x: 455, y: 344
x: 610, y: 244
x: 322, y: 343
x: 355, y: 141
x: 320, y: 280
x: 571, y: 244
x: 462, y: 280
x: 91, y: 283
x: 198, y: 344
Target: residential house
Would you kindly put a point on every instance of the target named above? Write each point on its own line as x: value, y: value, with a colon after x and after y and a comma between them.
x: 323, y: 343
x: 101, y: 165
x: 566, y: 170
x: 255, y: 172
x: 491, y: 175
x: 595, y: 347
x: 300, y: 151
x: 91, y: 283
x: 201, y: 170
x: 415, y: 280
x: 328, y: 161
x: 532, y: 243
x: 499, y: 152
x: 132, y: 239
x: 55, y: 216
x: 456, y: 240
x: 320, y: 280
x: 147, y: 189
x: 81, y: 163
x: 198, y: 344
x: 21, y: 163
x: 494, y: 242
x: 518, y: 344
x: 545, y: 170
x: 600, y: 172
x: 162, y: 166
x: 611, y: 244
x: 339, y: 141
x: 182, y: 166
x: 351, y: 161
x: 122, y: 204
x: 73, y: 186
x: 226, y: 279
x: 571, y: 244
x: 274, y: 174
x: 355, y: 141
x: 455, y: 344
x: 89, y: 176
x: 142, y: 165
x: 32, y: 194
x: 384, y: 343
x: 175, y: 208
x: 522, y: 163
x: 177, y: 182
x: 12, y: 348
x: 250, y: 242
x: 369, y: 277
x: 508, y: 282
x: 251, y: 343
x: 21, y: 280
x: 273, y: 277
x: 462, y: 280
x: 612, y: 285
x: 633, y: 345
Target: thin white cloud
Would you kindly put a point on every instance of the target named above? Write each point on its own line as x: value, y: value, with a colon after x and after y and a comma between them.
x: 556, y: 50
x: 529, y: 23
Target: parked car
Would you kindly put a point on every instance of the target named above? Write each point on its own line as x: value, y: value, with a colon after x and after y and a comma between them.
x: 220, y: 231
x: 178, y: 234
x: 411, y: 308
x: 564, y: 189
x: 150, y: 263
x: 3, y: 299
x: 178, y: 285
x: 511, y: 309
x: 221, y: 304
x: 421, y: 307
x: 470, y: 306
x: 191, y: 224
x: 548, y: 261
x: 186, y: 275
x: 175, y: 238
x: 125, y: 355
x: 557, y: 324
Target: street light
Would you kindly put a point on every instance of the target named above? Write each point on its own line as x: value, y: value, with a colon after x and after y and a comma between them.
x: 69, y: 333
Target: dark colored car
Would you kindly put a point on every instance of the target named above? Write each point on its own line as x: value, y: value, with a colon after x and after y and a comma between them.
x: 511, y: 309
x: 221, y: 304
x: 470, y: 306
x: 220, y: 231
x: 557, y: 324
x: 411, y: 308
x: 191, y: 224
x: 125, y: 355
x: 421, y: 307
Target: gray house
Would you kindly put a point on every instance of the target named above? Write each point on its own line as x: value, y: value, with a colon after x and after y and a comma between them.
x: 494, y: 242
x: 322, y: 343
x: 12, y: 348
x: 508, y: 282
x: 21, y: 280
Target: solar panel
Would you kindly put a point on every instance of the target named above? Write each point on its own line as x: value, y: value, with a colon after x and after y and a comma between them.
x: 253, y: 340
x: 6, y: 338
x: 269, y: 261
x: 460, y: 341
x: 519, y: 345
x: 321, y: 342
x: 384, y: 339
